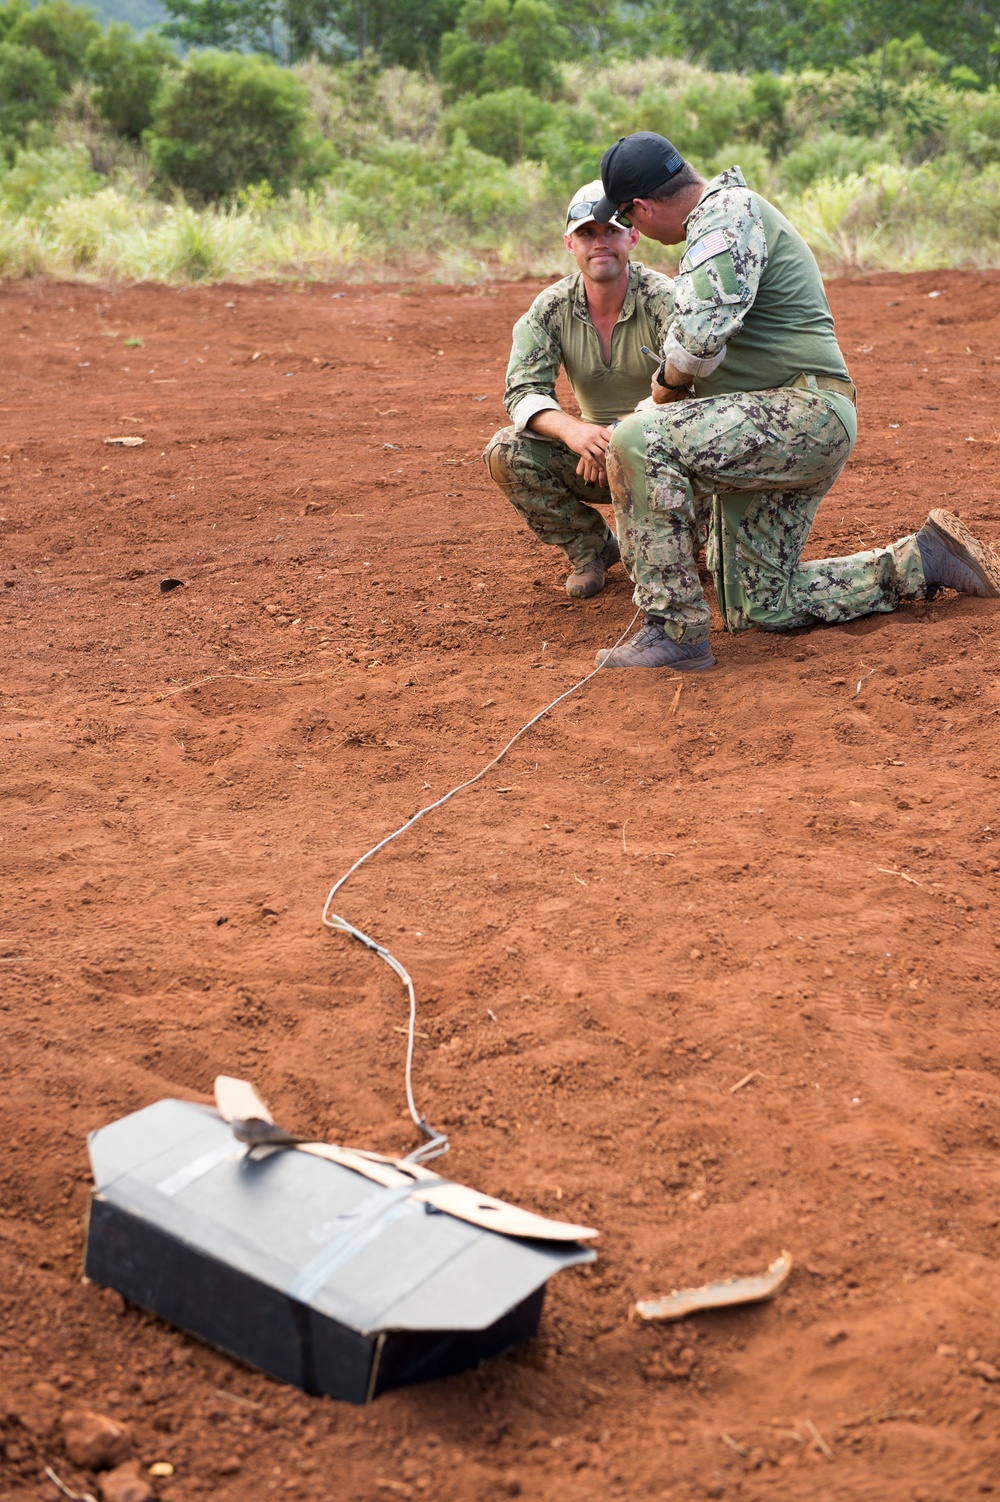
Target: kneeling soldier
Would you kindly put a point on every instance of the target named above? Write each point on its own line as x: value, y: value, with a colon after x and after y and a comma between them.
x: 754, y: 405
x: 551, y: 466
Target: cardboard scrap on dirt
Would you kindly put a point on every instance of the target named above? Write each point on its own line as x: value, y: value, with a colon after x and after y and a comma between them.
x: 754, y: 1290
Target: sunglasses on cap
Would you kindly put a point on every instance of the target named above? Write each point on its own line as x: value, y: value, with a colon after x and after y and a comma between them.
x: 584, y: 209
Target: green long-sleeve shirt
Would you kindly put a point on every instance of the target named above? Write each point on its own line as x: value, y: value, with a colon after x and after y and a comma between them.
x: 557, y: 331
x: 751, y: 311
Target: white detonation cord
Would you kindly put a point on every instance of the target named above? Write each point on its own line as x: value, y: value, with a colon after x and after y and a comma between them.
x: 437, y: 1142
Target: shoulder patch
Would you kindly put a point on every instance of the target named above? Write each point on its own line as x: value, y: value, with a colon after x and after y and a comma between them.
x: 713, y: 244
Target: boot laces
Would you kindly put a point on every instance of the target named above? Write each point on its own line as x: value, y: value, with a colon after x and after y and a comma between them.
x: 651, y: 632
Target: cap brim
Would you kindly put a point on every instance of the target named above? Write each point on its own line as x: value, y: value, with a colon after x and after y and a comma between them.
x: 604, y: 211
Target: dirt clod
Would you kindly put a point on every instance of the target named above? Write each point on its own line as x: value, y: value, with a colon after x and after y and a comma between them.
x: 94, y: 1441
x: 125, y: 1483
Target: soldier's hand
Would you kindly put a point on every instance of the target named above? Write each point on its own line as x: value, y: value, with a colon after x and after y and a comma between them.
x: 588, y: 439
x: 593, y: 472
x: 590, y: 442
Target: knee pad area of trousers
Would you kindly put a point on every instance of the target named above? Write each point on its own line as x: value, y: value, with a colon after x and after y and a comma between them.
x: 498, y: 455
x: 627, y: 433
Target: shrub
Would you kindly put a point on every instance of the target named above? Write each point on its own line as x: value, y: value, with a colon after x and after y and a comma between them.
x: 766, y: 118
x: 426, y: 199
x: 974, y: 127
x: 507, y: 123
x: 10, y: 14
x: 61, y: 32
x: 128, y: 74
x: 831, y: 155
x: 500, y: 44
x: 40, y: 178
x: 29, y: 91
x: 226, y: 120
x: 571, y: 149
x: 357, y: 103
x: 750, y: 157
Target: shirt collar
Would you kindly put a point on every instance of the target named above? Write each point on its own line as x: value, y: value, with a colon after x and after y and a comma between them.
x: 731, y: 178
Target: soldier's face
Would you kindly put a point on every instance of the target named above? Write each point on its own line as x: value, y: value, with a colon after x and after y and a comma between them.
x: 661, y: 220
x: 601, y: 250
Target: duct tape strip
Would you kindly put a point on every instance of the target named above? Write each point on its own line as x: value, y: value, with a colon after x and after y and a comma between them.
x: 357, y: 1230
x: 197, y: 1169
x: 332, y: 1230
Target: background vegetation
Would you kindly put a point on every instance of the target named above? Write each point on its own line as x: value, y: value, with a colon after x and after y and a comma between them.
x: 363, y: 138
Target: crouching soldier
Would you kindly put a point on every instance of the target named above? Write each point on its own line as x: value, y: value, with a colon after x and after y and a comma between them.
x: 551, y: 466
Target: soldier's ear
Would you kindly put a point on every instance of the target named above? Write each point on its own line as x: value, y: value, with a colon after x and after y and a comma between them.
x: 633, y: 238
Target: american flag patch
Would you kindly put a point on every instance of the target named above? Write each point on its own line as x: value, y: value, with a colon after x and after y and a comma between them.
x: 712, y: 245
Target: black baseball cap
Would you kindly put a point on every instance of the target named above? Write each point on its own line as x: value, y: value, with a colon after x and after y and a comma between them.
x: 634, y: 167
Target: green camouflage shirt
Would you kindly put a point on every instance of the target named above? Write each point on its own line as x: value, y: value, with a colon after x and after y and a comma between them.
x: 751, y: 309
x: 556, y: 330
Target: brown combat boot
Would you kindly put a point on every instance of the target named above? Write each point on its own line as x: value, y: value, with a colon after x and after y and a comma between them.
x: 588, y: 579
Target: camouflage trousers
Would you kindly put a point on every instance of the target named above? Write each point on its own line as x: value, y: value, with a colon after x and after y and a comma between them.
x: 759, y: 463
x: 538, y: 476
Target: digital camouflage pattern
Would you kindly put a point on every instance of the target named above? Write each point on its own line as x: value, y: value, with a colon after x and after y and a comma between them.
x: 557, y: 331
x: 748, y: 287
x: 780, y: 451
x: 711, y: 298
x: 538, y: 475
x: 539, y: 479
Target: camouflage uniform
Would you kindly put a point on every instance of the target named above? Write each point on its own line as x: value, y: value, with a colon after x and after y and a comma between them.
x: 538, y: 475
x: 771, y: 426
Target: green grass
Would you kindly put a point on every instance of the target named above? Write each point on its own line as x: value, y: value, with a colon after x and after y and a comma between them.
x: 410, y: 195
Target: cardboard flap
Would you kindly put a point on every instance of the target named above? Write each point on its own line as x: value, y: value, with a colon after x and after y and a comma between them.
x: 238, y: 1102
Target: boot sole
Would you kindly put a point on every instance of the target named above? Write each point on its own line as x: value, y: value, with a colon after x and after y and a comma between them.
x: 968, y: 549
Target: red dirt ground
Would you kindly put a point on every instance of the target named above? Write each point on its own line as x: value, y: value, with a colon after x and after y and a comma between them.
x: 783, y: 876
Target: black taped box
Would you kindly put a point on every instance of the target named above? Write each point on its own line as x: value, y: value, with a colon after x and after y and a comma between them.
x: 300, y: 1266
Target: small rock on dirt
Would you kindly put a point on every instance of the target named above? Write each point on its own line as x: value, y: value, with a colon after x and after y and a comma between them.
x: 125, y: 1483
x: 986, y: 1370
x: 93, y: 1441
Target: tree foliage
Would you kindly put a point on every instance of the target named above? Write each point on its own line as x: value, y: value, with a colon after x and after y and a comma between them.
x: 749, y: 35
x: 504, y: 44
x: 29, y: 91
x: 128, y: 74
x: 403, y: 33
x: 225, y: 121
x: 61, y: 32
